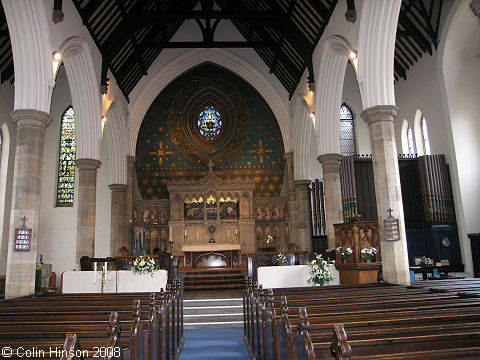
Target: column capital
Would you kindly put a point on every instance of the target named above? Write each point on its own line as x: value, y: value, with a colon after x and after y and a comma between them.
x: 379, y: 113
x: 288, y: 155
x: 301, y: 183
x: 117, y: 187
x: 131, y: 160
x: 31, y: 117
x: 88, y: 164
x: 330, y: 163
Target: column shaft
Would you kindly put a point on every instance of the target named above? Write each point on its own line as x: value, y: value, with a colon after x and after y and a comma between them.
x: 117, y: 233
x: 333, y: 193
x: 387, y: 190
x: 129, y: 202
x: 27, y: 184
x: 302, y: 233
x: 291, y: 196
x: 87, y: 194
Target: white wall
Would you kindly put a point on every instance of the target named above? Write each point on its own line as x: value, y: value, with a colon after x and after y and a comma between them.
x: 58, y: 225
x: 446, y: 88
x: 351, y: 96
x: 461, y: 79
x: 6, y: 169
x: 103, y: 214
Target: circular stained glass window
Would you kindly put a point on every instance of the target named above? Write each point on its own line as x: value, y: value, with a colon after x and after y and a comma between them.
x: 209, y: 122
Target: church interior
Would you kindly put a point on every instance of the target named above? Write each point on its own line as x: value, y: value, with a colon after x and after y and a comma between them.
x: 232, y: 142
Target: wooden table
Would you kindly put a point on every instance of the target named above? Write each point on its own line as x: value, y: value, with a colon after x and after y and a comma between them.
x: 211, y: 255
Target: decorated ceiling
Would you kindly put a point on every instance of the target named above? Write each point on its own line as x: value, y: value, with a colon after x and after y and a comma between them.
x: 208, y: 114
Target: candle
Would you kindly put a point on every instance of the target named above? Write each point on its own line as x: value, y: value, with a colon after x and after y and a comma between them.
x: 228, y: 234
x: 170, y: 234
x: 185, y: 232
x: 95, y: 272
x: 197, y: 234
x: 105, y: 268
x: 236, y: 231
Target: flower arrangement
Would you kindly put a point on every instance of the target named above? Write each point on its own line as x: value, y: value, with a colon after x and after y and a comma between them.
x: 368, y: 254
x: 144, y: 265
x: 344, y: 252
x: 320, y: 272
x: 281, y: 259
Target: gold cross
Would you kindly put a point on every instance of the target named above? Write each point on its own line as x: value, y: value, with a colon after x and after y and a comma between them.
x: 260, y: 151
x: 160, y: 153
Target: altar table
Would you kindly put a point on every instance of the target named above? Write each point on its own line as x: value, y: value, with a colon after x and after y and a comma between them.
x: 227, y: 255
x: 288, y: 276
x: 116, y: 282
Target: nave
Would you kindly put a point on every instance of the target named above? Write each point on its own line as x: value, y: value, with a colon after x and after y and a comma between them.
x: 438, y: 319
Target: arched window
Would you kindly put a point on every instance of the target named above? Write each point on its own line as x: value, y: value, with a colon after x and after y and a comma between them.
x: 347, y: 132
x: 66, y: 160
x: 425, y: 138
x: 411, y: 144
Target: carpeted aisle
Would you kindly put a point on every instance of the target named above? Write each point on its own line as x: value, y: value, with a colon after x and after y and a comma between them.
x: 214, y: 344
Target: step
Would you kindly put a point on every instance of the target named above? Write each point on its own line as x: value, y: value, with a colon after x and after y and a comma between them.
x: 221, y: 324
x: 215, y: 286
x: 212, y: 281
x: 210, y: 313
x: 209, y: 275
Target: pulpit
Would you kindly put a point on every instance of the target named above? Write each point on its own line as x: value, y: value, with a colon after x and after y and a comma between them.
x: 361, y: 265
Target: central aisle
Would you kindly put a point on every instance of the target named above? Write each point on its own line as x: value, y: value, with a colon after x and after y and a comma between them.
x: 213, y: 327
x: 214, y: 344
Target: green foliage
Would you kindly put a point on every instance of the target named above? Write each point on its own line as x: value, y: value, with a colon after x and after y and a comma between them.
x: 320, y: 272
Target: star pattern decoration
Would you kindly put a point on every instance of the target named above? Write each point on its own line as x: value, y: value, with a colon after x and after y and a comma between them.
x: 160, y: 153
x: 260, y: 151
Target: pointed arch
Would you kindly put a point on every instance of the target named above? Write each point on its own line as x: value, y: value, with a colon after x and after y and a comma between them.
x: 145, y: 97
x: 84, y: 89
x: 66, y: 159
x: 32, y: 56
x: 115, y: 135
x: 333, y: 63
x: 302, y: 131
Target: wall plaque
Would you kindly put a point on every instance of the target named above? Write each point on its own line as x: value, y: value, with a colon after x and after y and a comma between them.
x: 23, y: 237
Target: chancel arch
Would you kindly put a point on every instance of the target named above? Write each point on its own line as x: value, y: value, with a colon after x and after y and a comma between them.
x: 145, y: 97
x: 212, y: 173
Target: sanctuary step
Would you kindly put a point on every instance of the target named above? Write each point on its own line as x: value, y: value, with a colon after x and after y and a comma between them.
x: 212, y: 313
x: 213, y: 279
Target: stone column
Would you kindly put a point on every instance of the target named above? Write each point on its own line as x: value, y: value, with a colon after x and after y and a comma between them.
x: 129, y: 202
x: 387, y: 190
x: 291, y: 196
x: 301, y: 228
x: 87, y: 191
x: 333, y: 193
x: 27, y: 184
x: 117, y: 233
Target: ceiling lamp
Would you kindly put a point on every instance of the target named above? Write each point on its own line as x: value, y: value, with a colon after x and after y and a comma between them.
x: 57, y: 56
x: 353, y: 55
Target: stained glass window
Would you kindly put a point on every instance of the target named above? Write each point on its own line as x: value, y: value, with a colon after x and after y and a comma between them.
x: 411, y: 146
x: 209, y: 122
x: 348, y: 145
x: 66, y: 162
x: 426, y: 139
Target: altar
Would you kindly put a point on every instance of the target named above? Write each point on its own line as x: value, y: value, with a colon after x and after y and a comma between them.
x: 212, y: 255
x: 115, y: 282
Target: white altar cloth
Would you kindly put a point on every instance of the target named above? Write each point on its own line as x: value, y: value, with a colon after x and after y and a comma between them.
x: 210, y: 247
x: 116, y: 281
x: 288, y: 276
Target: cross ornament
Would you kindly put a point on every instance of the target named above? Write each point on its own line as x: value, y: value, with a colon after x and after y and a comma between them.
x: 390, y: 212
x: 24, y: 221
x: 260, y: 151
x: 160, y: 153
